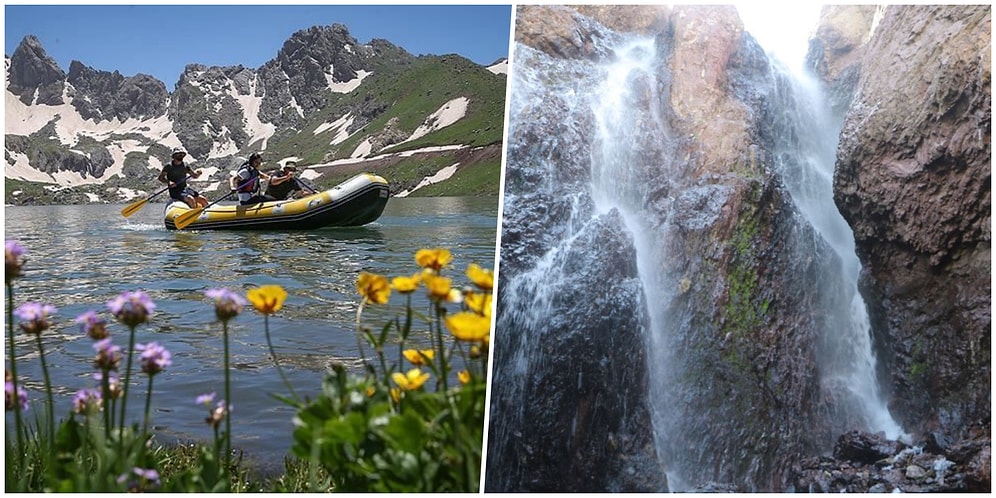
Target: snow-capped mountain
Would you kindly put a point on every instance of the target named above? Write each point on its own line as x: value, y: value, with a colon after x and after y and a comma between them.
x: 324, y: 99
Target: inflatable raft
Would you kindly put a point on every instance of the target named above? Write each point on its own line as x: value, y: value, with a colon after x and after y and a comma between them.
x: 357, y: 201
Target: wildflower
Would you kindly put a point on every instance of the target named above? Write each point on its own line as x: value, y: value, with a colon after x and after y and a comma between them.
x: 227, y: 304
x: 434, y: 259
x: 405, y: 285
x: 370, y: 391
x: 475, y: 352
x: 205, y: 399
x: 482, y: 278
x: 464, y: 376
x: 155, y: 358
x: 439, y: 287
x: 92, y: 325
x: 374, y: 288
x: 479, y: 303
x: 13, y: 264
x: 86, y: 397
x: 221, y: 410
x: 113, y: 383
x: 419, y: 358
x: 147, y: 480
x: 34, y: 316
x: 108, y: 355
x: 9, y: 397
x: 396, y: 394
x: 410, y: 381
x: 132, y: 308
x: 267, y: 299
x: 469, y: 326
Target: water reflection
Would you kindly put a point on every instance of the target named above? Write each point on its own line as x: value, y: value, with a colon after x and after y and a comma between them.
x: 80, y: 257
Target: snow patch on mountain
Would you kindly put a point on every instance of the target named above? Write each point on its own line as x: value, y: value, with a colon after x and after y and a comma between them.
x: 441, y: 175
x: 362, y: 150
x: 499, y: 68
x: 449, y: 113
x: 347, y: 86
x: 257, y: 129
x: 341, y: 126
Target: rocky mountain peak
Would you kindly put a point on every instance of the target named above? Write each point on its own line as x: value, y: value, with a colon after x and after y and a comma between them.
x: 33, y: 75
x: 102, y: 95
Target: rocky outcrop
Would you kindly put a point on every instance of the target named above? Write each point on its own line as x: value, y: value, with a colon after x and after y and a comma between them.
x: 105, y: 96
x: 913, y: 178
x: 837, y: 47
x: 33, y: 75
x: 869, y: 463
x: 205, y: 110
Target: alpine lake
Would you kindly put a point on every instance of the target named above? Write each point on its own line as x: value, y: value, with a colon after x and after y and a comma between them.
x: 82, y: 256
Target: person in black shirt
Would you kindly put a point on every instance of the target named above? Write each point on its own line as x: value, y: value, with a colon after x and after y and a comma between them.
x: 283, y: 185
x: 175, y: 175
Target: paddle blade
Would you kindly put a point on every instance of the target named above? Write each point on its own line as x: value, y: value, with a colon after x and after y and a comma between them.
x: 187, y: 218
x: 132, y: 208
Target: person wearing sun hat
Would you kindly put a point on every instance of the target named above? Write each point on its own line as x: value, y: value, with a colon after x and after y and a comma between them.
x: 175, y: 174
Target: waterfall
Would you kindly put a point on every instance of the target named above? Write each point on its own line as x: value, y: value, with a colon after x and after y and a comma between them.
x: 805, y: 152
x: 590, y: 138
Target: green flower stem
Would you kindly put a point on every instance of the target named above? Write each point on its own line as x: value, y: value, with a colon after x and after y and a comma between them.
x: 443, y: 361
x: 13, y: 374
x: 359, y: 339
x: 269, y: 343
x: 127, y: 381
x: 148, y: 405
x: 228, y: 411
x: 50, y: 409
x: 105, y: 384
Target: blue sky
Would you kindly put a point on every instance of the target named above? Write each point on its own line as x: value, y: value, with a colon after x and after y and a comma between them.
x: 161, y: 39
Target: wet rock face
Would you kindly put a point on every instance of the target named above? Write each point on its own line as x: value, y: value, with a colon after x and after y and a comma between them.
x: 913, y: 180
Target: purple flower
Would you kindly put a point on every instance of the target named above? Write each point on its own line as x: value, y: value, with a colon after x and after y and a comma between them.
x: 84, y: 398
x: 219, y: 413
x: 132, y: 308
x: 155, y: 358
x: 13, y: 264
x: 148, y: 479
x: 108, y: 355
x: 92, y: 325
x: 205, y: 399
x: 113, y: 383
x: 227, y: 304
x: 22, y: 397
x: 34, y: 316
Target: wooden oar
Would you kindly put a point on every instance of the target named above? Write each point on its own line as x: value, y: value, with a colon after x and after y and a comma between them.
x: 187, y: 218
x: 132, y: 208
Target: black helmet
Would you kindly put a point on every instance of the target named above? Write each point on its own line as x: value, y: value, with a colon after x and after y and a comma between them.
x: 255, y: 155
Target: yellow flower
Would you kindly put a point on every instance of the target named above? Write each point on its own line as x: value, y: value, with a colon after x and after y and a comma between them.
x: 374, y: 288
x: 267, y: 299
x: 435, y: 259
x: 464, y: 376
x: 475, y: 351
x: 439, y: 287
x: 396, y: 394
x: 405, y: 285
x: 485, y: 279
x: 469, y: 326
x: 410, y: 381
x: 479, y: 303
x: 419, y: 358
x: 370, y: 391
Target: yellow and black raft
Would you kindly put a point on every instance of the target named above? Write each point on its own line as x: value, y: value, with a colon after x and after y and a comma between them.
x: 357, y: 201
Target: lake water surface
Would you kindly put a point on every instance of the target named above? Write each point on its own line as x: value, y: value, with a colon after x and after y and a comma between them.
x: 80, y: 257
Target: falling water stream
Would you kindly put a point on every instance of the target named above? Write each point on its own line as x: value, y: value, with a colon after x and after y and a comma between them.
x: 625, y: 98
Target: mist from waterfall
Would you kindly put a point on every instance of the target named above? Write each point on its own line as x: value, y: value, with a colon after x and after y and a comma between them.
x: 804, y: 156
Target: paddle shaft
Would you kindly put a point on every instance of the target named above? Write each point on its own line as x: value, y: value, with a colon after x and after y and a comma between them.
x: 187, y: 218
x: 135, y: 206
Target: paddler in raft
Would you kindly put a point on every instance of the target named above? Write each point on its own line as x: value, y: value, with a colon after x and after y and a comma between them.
x: 175, y: 175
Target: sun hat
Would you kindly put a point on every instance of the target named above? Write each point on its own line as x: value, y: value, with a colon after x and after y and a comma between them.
x: 178, y: 150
